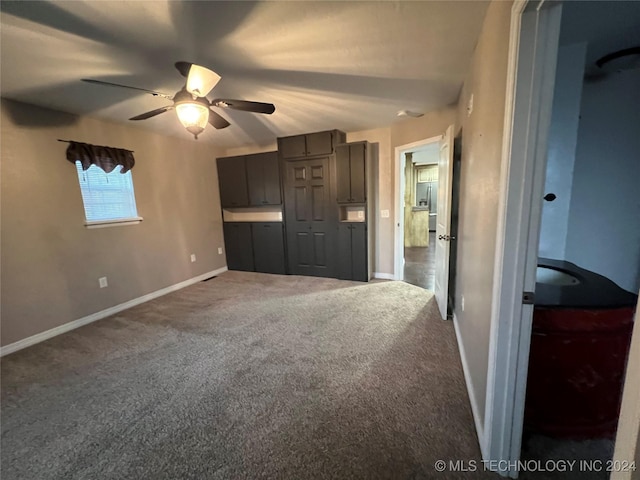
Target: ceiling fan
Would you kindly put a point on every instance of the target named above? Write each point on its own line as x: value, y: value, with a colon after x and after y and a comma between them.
x: 190, y: 102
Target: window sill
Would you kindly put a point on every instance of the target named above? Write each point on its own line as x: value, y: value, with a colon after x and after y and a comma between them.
x: 120, y: 222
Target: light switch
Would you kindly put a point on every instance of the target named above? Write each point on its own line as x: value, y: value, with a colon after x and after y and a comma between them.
x: 384, y: 213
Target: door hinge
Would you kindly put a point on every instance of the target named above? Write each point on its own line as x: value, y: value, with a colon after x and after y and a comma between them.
x: 528, y: 298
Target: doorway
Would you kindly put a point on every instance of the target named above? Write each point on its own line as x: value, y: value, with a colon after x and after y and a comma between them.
x: 414, y: 261
x: 534, y: 49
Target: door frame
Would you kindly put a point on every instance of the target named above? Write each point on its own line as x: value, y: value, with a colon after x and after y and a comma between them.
x: 533, y: 49
x: 398, y: 238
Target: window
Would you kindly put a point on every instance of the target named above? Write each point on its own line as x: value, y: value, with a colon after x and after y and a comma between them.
x: 108, y: 197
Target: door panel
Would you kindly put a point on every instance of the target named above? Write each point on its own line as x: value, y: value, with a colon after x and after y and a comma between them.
x: 255, y: 179
x: 319, y: 143
x: 303, y: 250
x: 318, y: 205
x: 443, y: 225
x: 238, y: 246
x: 268, y: 247
x: 232, y: 179
x: 343, y: 176
x: 308, y: 214
x: 263, y: 179
x: 320, y: 249
x: 357, y: 173
x: 300, y: 204
x: 359, y: 258
x: 293, y: 147
x: 344, y: 251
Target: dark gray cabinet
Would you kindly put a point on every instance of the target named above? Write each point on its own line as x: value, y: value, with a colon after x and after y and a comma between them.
x: 310, y: 218
x: 249, y: 180
x: 239, y: 246
x: 310, y: 144
x: 268, y: 247
x: 351, y: 173
x: 232, y: 179
x: 255, y: 246
x: 263, y: 179
x: 352, y: 248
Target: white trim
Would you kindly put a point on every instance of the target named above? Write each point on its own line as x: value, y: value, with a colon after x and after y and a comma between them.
x: 398, y: 212
x: 42, y: 336
x: 475, y: 410
x: 529, y: 93
x: 113, y: 223
x: 384, y: 276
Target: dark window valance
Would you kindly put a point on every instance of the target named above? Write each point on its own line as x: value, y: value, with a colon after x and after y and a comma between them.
x: 107, y: 158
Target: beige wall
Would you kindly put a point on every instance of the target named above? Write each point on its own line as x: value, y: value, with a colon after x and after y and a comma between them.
x: 479, y: 191
x: 51, y: 262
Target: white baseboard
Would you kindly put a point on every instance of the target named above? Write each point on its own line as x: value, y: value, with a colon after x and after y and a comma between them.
x: 475, y: 410
x: 384, y: 276
x: 42, y: 336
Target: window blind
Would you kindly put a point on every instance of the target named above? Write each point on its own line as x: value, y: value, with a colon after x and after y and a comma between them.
x: 107, y: 196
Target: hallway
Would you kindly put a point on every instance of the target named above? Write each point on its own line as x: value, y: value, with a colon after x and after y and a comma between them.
x: 419, y: 264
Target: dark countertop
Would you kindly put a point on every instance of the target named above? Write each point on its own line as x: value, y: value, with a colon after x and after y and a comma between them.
x: 593, y: 291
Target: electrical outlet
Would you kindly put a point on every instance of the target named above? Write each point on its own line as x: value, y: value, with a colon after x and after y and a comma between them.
x: 219, y: 250
x: 102, y: 281
x: 193, y: 257
x: 384, y: 213
x: 360, y: 214
x: 462, y: 302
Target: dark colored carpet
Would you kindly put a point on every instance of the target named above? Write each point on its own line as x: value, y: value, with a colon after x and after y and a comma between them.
x: 245, y: 376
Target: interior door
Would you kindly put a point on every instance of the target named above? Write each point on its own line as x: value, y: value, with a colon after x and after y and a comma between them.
x: 443, y: 225
x: 310, y: 226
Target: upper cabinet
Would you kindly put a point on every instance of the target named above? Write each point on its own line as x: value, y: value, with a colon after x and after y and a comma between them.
x: 249, y: 181
x: 263, y: 179
x: 232, y: 178
x: 309, y: 145
x: 351, y: 173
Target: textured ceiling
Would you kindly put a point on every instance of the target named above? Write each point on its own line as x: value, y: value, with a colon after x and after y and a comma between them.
x: 346, y: 65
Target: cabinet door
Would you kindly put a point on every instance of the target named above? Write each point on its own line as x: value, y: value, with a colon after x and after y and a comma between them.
x: 359, y: 257
x: 263, y: 179
x: 239, y: 246
x: 357, y: 173
x: 319, y: 143
x: 344, y: 252
x: 343, y: 175
x: 293, y: 147
x: 232, y: 179
x: 271, y: 172
x: 268, y: 247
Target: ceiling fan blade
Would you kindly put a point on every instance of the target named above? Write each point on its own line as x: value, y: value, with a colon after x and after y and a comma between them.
x: 183, y: 68
x: 152, y: 113
x: 244, y: 105
x: 109, y: 84
x: 217, y: 121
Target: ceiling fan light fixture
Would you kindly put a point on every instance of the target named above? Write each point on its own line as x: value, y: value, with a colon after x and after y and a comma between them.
x: 193, y: 116
x: 201, y: 80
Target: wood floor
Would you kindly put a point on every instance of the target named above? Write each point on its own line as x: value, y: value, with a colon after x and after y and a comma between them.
x: 419, y: 264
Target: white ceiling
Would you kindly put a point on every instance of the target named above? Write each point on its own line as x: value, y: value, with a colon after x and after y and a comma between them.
x: 346, y: 65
